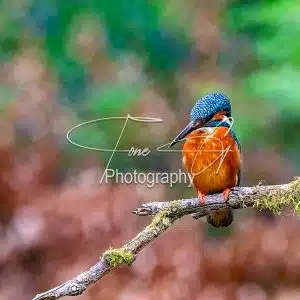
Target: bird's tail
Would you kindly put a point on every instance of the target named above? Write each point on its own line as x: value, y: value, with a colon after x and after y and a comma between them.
x: 220, y: 218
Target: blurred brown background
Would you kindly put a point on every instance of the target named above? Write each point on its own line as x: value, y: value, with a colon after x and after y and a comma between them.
x: 63, y: 63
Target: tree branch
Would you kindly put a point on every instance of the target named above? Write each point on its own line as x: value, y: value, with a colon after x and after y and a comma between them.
x: 272, y: 197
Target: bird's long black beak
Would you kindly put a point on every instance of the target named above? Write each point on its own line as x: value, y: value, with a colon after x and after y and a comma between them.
x: 193, y: 125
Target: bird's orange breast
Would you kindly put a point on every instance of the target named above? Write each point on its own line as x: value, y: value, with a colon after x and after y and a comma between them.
x: 212, y: 158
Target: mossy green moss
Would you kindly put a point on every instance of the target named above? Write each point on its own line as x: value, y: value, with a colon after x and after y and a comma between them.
x: 164, y: 216
x: 161, y: 217
x: 295, y: 194
x: 275, y: 201
x: 118, y: 256
x: 175, y: 206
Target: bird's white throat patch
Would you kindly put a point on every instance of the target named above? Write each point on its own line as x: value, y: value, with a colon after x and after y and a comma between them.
x: 227, y: 120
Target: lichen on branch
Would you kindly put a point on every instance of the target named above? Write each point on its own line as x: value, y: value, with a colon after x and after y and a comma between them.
x: 115, y: 257
x: 276, y: 199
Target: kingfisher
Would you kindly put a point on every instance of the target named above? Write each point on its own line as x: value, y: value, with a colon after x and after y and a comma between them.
x: 212, y: 153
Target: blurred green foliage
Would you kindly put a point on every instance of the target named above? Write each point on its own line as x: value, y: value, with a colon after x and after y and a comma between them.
x: 160, y: 35
x: 271, y: 29
x: 136, y: 27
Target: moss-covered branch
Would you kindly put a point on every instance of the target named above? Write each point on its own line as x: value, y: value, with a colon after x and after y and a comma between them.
x: 272, y: 197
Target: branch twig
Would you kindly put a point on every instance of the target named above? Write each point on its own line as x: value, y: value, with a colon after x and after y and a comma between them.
x: 165, y: 214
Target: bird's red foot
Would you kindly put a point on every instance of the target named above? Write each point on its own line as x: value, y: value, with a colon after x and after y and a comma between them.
x: 201, y: 198
x: 226, y: 194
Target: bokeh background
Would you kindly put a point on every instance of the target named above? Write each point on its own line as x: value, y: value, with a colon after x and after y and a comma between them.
x: 67, y: 62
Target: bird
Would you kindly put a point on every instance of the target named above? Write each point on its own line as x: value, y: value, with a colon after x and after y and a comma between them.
x: 212, y: 153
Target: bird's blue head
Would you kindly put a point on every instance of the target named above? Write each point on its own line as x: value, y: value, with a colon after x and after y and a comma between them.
x: 211, y: 106
x: 205, y: 108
